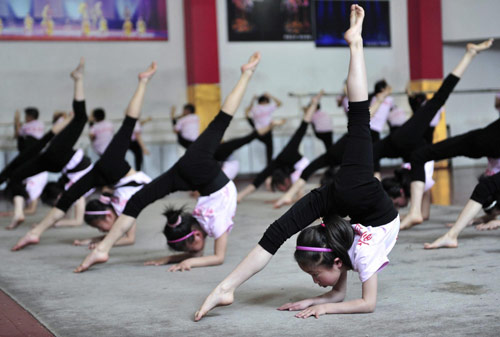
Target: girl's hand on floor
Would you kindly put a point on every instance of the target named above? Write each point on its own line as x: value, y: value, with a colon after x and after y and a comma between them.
x: 181, y: 266
x: 82, y: 242
x: 315, y: 310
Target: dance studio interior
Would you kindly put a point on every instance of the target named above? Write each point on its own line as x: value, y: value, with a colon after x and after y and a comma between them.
x: 249, y: 167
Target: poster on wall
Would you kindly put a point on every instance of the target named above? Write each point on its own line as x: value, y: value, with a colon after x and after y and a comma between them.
x: 269, y: 20
x: 75, y: 20
x: 331, y: 20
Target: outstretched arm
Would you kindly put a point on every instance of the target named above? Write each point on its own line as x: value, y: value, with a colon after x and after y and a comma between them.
x: 277, y: 101
x: 365, y: 304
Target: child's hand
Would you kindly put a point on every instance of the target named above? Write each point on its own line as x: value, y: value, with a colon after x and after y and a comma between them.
x: 184, y: 265
x: 300, y: 305
x: 315, y: 310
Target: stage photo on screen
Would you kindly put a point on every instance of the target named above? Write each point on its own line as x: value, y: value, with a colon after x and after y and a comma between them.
x: 269, y: 20
x: 85, y: 20
x: 331, y: 20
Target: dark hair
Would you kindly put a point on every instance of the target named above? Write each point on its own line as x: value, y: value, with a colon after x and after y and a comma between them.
x: 337, y: 234
x: 401, y: 180
x: 98, y: 114
x: 328, y: 176
x: 188, y: 224
x: 96, y: 205
x: 279, y: 177
x: 51, y: 193
x: 263, y: 99
x: 379, y: 86
x: 190, y: 107
x: 32, y: 112
x: 57, y: 115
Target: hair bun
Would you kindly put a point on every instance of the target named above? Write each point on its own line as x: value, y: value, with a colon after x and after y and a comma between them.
x: 105, y: 199
x: 177, y: 223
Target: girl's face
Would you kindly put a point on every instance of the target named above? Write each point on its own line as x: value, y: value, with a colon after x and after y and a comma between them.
x: 105, y: 224
x: 197, y: 244
x: 324, y: 276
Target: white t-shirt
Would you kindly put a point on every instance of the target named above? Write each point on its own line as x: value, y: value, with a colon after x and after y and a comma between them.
x: 380, y: 116
x: 437, y: 118
x: 397, y: 116
x: 322, y: 121
x: 103, y: 134
x: 261, y: 114
x: 215, y: 212
x: 35, y: 185
x: 32, y: 128
x: 189, y: 127
x: 126, y: 188
x: 371, y: 246
x: 298, y: 168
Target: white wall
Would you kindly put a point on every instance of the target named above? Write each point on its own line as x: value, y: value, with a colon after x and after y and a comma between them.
x: 301, y: 67
x: 465, y: 20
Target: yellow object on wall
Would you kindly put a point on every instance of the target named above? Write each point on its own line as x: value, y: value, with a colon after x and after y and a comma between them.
x: 206, y: 99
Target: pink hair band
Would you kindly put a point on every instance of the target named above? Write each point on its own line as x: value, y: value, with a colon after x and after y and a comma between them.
x: 97, y: 212
x: 183, y: 238
x: 314, y: 249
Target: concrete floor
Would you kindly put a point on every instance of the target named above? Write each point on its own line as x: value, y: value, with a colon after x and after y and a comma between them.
x: 452, y: 292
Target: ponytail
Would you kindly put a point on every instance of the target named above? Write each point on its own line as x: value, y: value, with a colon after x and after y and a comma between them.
x: 335, y: 236
x: 179, y: 228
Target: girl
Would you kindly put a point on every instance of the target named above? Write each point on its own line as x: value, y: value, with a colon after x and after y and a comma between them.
x: 196, y: 170
x: 289, y: 164
x: 383, y: 107
x: 259, y: 116
x: 187, y: 126
x: 328, y: 251
x: 110, y: 170
x: 101, y: 131
x: 32, y: 129
x: 102, y: 213
x: 486, y: 195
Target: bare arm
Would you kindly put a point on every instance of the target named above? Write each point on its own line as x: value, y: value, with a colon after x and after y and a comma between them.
x: 128, y: 238
x: 141, y: 143
x: 277, y: 101
x: 220, y: 246
x: 170, y: 259
x: 289, y: 196
x: 365, y: 304
x: 17, y: 123
x: 77, y: 220
x: 250, y: 106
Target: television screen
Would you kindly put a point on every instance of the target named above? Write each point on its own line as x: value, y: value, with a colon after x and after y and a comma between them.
x: 332, y: 20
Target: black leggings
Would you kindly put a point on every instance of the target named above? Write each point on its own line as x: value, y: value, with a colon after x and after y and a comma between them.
x: 473, y: 144
x: 355, y: 191
x: 196, y: 170
x: 227, y: 148
x: 287, y: 157
x: 415, y: 132
x: 108, y: 170
x: 24, y: 142
x: 267, y: 139
x: 136, y: 149
x: 325, y: 137
x: 60, y: 150
x: 332, y: 158
x: 29, y: 152
x: 487, y: 190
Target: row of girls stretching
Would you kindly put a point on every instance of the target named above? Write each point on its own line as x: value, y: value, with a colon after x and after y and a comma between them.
x: 326, y: 251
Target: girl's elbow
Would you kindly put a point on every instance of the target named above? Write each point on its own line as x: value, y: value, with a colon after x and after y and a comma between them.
x: 370, y: 307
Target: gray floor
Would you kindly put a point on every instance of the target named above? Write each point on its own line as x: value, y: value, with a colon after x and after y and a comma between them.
x: 451, y: 292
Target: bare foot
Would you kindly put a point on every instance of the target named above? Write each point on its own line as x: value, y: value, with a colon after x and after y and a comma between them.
x: 493, y: 224
x: 146, y: 75
x: 217, y: 298
x: 28, y: 239
x: 252, y: 63
x: 410, y: 220
x: 444, y: 241
x: 14, y: 223
x: 476, y: 48
x: 77, y: 74
x: 353, y: 34
x: 94, y: 257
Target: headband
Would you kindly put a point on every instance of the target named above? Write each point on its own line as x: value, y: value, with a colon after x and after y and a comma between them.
x: 183, y: 238
x: 314, y: 249
x: 177, y: 223
x: 98, y: 212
